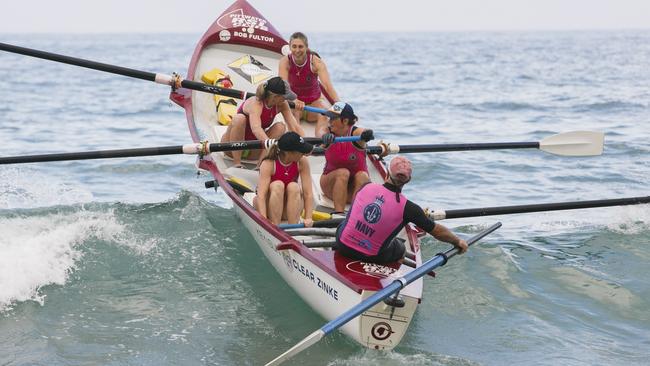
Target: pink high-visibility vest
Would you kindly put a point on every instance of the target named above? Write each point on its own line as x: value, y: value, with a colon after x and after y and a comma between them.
x: 374, y: 218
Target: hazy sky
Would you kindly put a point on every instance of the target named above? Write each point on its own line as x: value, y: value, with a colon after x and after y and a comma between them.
x: 194, y: 16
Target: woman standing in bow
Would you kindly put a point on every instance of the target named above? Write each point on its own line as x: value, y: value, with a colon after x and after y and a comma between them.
x: 308, y: 76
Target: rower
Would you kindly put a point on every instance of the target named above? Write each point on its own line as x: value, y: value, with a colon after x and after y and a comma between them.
x: 345, y: 163
x: 279, y: 196
x: 254, y: 118
x: 379, y: 213
x: 308, y: 76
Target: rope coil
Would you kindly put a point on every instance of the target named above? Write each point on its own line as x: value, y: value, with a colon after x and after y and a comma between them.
x: 176, y: 81
x: 204, y: 149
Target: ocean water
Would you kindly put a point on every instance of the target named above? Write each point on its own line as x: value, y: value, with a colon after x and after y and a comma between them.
x: 133, y: 262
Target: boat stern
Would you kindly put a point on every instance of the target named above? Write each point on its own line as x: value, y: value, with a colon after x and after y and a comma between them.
x: 383, y: 326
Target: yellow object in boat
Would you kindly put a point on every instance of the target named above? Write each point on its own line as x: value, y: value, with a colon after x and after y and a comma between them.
x: 226, y: 106
x: 318, y: 215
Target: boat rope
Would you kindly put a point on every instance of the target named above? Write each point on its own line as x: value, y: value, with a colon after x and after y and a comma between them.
x: 204, y: 149
x: 385, y: 147
x: 176, y: 81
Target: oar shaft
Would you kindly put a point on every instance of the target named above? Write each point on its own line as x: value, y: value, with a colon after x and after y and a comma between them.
x: 155, y: 151
x: 102, y: 154
x: 309, y: 108
x: 558, y: 206
x: 125, y: 71
x: 394, y: 149
x: 213, y: 89
x: 506, y: 210
x: 149, y: 76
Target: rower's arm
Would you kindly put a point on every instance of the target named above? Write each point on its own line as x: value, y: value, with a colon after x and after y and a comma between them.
x: 290, y: 120
x: 254, y: 118
x: 441, y: 233
x: 414, y: 213
x: 283, y: 68
x: 324, y: 77
x: 307, y: 193
x: 266, y: 171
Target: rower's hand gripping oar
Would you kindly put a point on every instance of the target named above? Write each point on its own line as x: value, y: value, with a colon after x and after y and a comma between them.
x: 428, y: 266
x: 201, y: 149
x: 574, y: 143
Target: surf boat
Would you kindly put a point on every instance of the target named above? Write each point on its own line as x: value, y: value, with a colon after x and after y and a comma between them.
x: 242, y: 49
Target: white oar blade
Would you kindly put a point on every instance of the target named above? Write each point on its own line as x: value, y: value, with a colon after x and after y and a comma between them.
x: 304, y: 344
x: 574, y: 143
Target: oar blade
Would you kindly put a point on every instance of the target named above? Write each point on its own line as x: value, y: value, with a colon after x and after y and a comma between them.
x: 303, y: 345
x: 574, y: 143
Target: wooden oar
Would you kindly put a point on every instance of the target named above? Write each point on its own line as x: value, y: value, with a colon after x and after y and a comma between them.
x: 505, y: 210
x: 426, y: 267
x: 574, y: 143
x: 175, y: 81
x: 190, y: 149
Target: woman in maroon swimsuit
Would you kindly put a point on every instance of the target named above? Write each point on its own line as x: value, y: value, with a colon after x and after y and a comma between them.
x: 345, y: 169
x: 254, y: 118
x: 279, y: 196
x: 306, y: 74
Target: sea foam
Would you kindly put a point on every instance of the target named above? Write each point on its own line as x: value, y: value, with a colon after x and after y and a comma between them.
x: 37, y: 251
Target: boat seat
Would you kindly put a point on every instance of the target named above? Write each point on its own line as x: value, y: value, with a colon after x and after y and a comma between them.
x: 246, y: 176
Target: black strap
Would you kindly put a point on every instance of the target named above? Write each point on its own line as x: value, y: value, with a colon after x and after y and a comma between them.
x: 444, y: 256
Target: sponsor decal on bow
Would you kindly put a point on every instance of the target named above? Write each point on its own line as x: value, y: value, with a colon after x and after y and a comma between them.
x: 251, y: 69
x: 246, y: 24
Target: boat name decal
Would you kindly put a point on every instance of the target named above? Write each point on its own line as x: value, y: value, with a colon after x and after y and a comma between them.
x: 332, y: 292
x: 255, y: 37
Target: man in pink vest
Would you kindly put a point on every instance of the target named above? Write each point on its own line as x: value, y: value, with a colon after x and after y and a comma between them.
x: 379, y: 212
